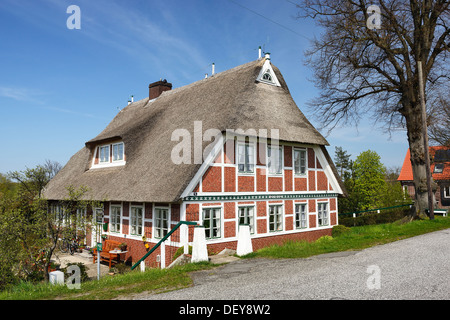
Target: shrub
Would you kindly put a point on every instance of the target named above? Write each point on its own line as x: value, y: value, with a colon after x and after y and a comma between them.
x: 83, y: 276
x: 370, y: 218
x: 339, y: 230
x: 324, y: 239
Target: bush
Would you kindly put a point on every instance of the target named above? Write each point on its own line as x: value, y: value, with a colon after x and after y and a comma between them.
x: 324, y: 239
x: 370, y: 218
x: 339, y: 230
x: 83, y: 276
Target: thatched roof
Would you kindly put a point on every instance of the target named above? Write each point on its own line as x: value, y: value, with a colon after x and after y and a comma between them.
x: 228, y: 100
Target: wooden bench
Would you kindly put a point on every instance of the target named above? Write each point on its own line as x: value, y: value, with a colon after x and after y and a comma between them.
x: 108, y: 245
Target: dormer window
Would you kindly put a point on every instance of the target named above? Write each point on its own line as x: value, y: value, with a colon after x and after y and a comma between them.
x: 106, y: 155
x: 267, y: 77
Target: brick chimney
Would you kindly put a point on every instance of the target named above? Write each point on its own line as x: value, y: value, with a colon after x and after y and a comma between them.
x: 156, y: 88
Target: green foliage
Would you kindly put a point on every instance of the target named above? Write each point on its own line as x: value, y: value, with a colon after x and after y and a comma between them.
x: 369, y: 183
x: 29, y: 230
x: 339, y: 230
x: 83, y: 271
x: 372, y: 218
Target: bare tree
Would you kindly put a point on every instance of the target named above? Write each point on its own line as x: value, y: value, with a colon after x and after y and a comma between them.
x: 439, y: 120
x: 362, y: 70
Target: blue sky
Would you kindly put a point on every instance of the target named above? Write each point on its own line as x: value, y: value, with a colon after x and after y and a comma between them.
x: 59, y: 87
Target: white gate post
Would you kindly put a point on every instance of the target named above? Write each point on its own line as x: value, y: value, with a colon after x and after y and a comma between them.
x: 244, y: 245
x: 163, y: 255
x: 199, y: 250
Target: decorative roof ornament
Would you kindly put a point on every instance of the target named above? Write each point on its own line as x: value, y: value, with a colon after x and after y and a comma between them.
x: 267, y: 75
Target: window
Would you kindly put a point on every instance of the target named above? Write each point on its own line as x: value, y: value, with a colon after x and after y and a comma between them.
x: 211, y: 222
x: 136, y: 221
x: 246, y: 215
x: 301, y: 216
x: 80, y: 219
x: 267, y: 76
x: 246, y: 158
x: 117, y: 151
x: 58, y: 212
x: 300, y: 162
x: 322, y: 212
x: 161, y: 222
x: 275, y: 218
x: 438, y: 168
x: 115, y: 218
x: 109, y: 155
x: 104, y: 154
x: 275, y: 160
x: 447, y: 192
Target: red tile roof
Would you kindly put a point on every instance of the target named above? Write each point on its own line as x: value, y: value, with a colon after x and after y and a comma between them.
x: 406, y: 174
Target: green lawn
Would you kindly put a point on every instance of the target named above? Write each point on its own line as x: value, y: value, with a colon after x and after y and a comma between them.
x: 161, y: 280
x: 110, y: 287
x: 356, y: 238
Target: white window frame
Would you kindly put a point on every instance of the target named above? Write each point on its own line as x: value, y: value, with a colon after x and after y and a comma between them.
x: 301, y: 210
x: 211, y: 231
x: 323, y: 214
x: 438, y: 168
x: 161, y: 230
x: 249, y: 158
x: 298, y: 168
x: 247, y: 214
x: 135, y: 223
x: 121, y: 154
x: 101, y: 160
x: 275, y: 218
x: 447, y: 192
x: 105, y: 155
x: 115, y: 218
x: 275, y: 160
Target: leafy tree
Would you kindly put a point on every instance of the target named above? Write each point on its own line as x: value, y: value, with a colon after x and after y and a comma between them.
x: 362, y: 70
x: 30, y: 229
x: 369, y: 184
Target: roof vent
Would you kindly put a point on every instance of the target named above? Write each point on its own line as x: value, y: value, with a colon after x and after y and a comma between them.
x: 156, y: 88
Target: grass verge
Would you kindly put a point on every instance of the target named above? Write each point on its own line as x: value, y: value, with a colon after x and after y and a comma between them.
x: 118, y: 286
x: 356, y: 238
x: 162, y: 280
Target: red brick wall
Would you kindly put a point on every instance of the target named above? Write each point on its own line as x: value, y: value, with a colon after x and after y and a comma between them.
x: 230, y: 179
x: 260, y: 180
x: 246, y: 184
x: 322, y: 181
x: 212, y: 180
x: 275, y: 184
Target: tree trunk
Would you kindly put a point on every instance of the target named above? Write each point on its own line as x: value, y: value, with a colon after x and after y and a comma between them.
x: 416, y: 145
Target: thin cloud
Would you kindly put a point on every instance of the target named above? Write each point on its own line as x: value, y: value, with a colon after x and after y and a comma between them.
x: 21, y: 94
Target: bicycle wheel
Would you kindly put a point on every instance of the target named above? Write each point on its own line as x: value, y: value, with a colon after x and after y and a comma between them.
x: 63, y: 246
x: 71, y: 248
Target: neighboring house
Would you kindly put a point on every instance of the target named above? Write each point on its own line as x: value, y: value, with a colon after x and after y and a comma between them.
x: 274, y: 174
x: 440, y: 172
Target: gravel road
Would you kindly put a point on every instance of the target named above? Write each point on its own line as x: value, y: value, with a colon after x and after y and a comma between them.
x: 415, y: 268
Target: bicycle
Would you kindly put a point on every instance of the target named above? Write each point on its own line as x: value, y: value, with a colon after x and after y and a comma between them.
x: 66, y: 245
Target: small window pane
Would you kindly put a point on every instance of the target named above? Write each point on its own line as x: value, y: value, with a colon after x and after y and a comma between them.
x: 104, y: 154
